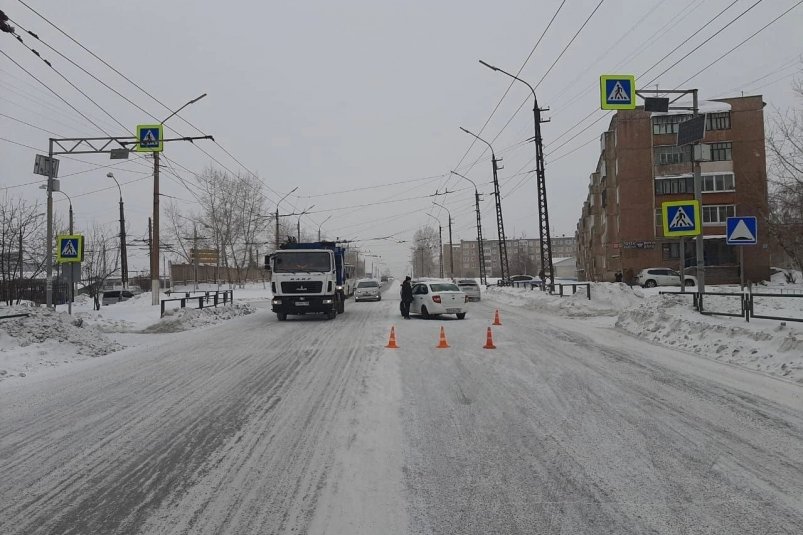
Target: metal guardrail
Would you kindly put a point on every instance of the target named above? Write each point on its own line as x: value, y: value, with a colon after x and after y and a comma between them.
x: 543, y: 286
x: 202, y: 298
x: 9, y: 316
x: 746, y: 303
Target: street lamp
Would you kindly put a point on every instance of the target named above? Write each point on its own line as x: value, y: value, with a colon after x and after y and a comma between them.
x: 123, y: 253
x: 451, y: 250
x: 319, y: 226
x: 500, y: 226
x: 298, y: 224
x: 155, y: 281
x: 440, y: 244
x: 481, y: 252
x: 71, y: 293
x: 543, y: 214
x: 277, y: 215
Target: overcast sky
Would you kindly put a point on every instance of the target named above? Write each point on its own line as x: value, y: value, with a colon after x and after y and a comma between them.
x: 342, y: 99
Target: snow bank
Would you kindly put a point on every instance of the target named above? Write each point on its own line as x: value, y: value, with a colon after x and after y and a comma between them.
x: 767, y: 346
x: 183, y: 319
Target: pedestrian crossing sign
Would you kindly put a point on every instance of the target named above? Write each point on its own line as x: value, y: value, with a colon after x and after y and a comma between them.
x: 150, y: 138
x: 741, y: 230
x: 617, y: 91
x: 681, y: 218
x: 69, y: 249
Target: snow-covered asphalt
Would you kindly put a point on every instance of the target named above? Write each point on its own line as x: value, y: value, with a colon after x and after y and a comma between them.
x: 312, y: 426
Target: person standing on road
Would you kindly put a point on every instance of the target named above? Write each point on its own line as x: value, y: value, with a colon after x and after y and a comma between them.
x: 406, y: 297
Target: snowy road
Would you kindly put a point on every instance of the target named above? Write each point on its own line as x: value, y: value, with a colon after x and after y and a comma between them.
x: 309, y: 426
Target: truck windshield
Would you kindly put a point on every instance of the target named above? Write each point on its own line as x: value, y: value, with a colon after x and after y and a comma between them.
x: 294, y: 261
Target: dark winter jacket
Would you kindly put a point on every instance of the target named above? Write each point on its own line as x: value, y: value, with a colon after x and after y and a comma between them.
x: 407, y: 291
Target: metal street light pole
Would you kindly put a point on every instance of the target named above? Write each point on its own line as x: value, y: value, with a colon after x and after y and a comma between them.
x: 298, y: 224
x: 123, y: 253
x: 480, y: 250
x: 319, y: 226
x: 451, y: 250
x: 277, y: 216
x: 500, y: 225
x: 440, y: 245
x: 543, y: 214
x: 71, y: 293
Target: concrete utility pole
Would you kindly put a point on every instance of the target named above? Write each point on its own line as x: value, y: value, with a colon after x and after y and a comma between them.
x: 483, y: 278
x: 123, y: 253
x: 155, y: 285
x: 500, y: 225
x: 277, y: 216
x: 698, y: 196
x: 451, y: 249
x: 543, y: 213
x: 440, y: 245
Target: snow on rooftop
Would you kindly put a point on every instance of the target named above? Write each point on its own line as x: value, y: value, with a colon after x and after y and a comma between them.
x: 704, y: 106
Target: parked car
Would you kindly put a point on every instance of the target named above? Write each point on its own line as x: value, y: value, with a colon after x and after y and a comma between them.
x: 652, y: 277
x: 518, y: 278
x: 470, y: 287
x: 432, y: 298
x: 367, y: 289
x: 115, y: 296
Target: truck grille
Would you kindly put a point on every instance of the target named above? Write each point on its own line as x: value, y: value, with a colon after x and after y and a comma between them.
x: 302, y: 287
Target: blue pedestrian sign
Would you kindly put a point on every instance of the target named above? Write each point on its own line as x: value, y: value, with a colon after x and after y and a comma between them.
x: 150, y: 138
x: 741, y: 230
x: 617, y: 92
x: 69, y: 248
x: 681, y: 218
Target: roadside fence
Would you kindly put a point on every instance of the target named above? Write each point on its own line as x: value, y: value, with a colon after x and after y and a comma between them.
x: 561, y: 286
x: 203, y: 299
x: 747, y: 302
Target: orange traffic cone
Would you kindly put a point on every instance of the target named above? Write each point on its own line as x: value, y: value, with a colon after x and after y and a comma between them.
x: 442, y: 343
x: 489, y: 340
x: 497, y: 321
x: 392, y: 339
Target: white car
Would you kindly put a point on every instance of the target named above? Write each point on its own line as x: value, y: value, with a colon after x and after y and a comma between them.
x: 652, y: 277
x: 432, y: 298
x: 367, y: 289
x: 470, y: 287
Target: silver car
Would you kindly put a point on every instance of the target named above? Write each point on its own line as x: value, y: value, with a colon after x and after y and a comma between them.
x: 470, y: 287
x: 367, y: 289
x: 111, y: 297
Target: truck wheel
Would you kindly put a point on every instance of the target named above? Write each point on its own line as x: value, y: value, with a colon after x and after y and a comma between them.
x: 461, y: 316
x: 281, y: 315
x: 332, y: 314
x: 425, y: 313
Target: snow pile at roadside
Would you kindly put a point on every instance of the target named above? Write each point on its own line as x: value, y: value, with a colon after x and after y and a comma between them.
x: 47, y: 338
x: 183, y: 319
x: 607, y: 299
x: 763, y: 345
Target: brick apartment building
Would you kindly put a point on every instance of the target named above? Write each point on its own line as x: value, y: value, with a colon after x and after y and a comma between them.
x: 640, y: 166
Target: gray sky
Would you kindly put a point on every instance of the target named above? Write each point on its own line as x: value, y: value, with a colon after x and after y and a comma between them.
x: 339, y: 97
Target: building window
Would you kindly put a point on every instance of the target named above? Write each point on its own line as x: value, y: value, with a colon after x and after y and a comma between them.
x: 668, y: 124
x: 668, y: 186
x: 671, y: 251
x: 717, y: 214
x: 721, y: 152
x: 718, y: 121
x: 604, y: 197
x: 719, y: 182
x: 670, y: 154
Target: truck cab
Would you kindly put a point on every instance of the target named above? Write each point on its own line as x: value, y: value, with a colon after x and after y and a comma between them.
x: 307, y: 278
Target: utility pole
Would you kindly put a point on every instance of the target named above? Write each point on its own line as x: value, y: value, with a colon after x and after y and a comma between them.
x: 195, y: 253
x: 698, y: 196
x: 481, y: 251
x: 155, y: 234
x: 150, y: 242
x: 123, y: 253
x: 451, y: 249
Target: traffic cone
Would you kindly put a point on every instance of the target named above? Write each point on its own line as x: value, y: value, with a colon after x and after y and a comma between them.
x: 497, y: 321
x: 489, y: 340
x: 392, y: 339
x: 442, y: 343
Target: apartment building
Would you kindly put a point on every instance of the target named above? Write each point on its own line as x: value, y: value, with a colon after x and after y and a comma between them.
x: 640, y: 166
x: 523, y: 255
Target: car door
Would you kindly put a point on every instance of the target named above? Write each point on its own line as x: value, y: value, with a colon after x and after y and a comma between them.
x: 664, y: 277
x: 415, y: 306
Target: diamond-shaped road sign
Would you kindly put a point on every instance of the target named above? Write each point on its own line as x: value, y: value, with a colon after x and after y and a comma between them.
x: 741, y: 230
x: 617, y: 92
x: 150, y: 138
x: 69, y: 249
x: 681, y: 218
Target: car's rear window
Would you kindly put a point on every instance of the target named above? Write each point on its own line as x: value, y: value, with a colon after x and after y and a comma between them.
x: 445, y: 288
x: 368, y: 284
x: 467, y: 282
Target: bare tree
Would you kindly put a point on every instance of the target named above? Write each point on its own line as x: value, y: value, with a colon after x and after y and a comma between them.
x: 785, y: 150
x: 425, y: 251
x: 101, y: 260
x: 22, y: 244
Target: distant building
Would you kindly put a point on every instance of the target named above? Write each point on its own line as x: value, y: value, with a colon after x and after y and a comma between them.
x: 640, y: 166
x: 523, y: 256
